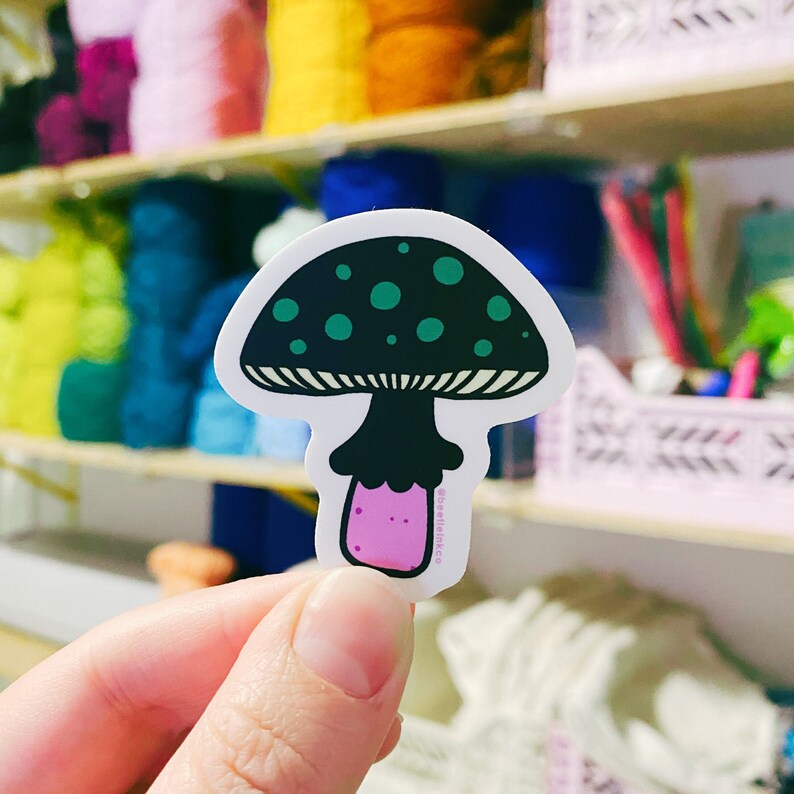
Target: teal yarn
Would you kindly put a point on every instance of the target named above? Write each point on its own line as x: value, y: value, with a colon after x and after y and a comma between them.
x: 89, y: 401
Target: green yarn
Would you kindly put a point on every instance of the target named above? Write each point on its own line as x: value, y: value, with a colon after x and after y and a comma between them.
x: 89, y: 401
x: 102, y: 332
x: 101, y: 274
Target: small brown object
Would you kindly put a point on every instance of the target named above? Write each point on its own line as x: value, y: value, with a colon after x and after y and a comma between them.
x: 180, y: 567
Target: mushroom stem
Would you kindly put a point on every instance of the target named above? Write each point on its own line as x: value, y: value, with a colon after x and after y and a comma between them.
x: 396, y: 460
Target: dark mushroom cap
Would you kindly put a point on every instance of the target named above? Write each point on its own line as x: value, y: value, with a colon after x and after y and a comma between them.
x: 394, y: 313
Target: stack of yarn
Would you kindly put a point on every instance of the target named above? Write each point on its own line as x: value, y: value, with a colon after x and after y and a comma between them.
x: 202, y: 74
x: 92, y: 120
x: 92, y: 385
x: 317, y: 52
x: 419, y: 49
x: 11, y: 297
x: 172, y: 265
x: 48, y: 330
x: 220, y: 426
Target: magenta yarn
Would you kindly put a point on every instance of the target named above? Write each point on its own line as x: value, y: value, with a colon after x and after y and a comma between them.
x: 64, y: 134
x: 106, y: 71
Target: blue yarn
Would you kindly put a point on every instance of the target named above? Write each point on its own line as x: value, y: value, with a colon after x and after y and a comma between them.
x: 383, y: 180
x: 221, y: 426
x: 165, y: 287
x: 155, y: 412
x: 282, y: 439
x: 199, y: 342
x: 154, y: 351
x: 552, y: 225
x: 177, y: 216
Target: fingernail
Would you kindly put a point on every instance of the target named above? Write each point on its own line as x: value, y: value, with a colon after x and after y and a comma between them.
x: 354, y: 631
x: 400, y: 718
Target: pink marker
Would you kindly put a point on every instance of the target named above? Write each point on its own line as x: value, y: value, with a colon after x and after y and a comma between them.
x: 745, y: 375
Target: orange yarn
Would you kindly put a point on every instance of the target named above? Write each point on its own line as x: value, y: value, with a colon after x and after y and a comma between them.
x: 417, y: 65
x: 393, y: 13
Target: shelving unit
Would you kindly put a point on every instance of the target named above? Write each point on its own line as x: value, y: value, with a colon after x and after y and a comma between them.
x: 511, y: 500
x: 745, y: 112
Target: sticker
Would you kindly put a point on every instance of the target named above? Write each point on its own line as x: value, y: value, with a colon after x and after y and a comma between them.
x: 402, y: 337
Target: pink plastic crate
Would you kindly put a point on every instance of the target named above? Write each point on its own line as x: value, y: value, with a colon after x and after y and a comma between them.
x: 697, y: 461
x: 603, y: 45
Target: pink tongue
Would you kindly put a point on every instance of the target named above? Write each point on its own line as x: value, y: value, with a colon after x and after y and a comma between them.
x: 386, y: 529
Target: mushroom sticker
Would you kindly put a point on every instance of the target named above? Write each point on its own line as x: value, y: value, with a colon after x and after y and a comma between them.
x: 402, y: 337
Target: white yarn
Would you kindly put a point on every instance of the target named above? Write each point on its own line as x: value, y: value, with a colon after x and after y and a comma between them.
x: 24, y: 45
x: 91, y: 20
x: 293, y: 222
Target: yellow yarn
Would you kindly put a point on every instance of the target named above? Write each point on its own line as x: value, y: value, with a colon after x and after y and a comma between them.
x: 53, y: 274
x: 103, y: 331
x: 49, y: 333
x: 316, y: 50
x: 32, y: 402
x: 12, y: 286
x: 9, y: 342
x: 101, y: 274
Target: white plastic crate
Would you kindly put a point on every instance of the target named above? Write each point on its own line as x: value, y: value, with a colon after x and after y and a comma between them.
x: 605, y: 45
x: 698, y: 461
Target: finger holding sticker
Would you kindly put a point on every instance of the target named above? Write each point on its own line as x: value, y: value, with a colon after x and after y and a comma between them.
x: 379, y: 323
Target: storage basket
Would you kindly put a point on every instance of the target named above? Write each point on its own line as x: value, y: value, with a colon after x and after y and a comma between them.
x: 698, y: 461
x: 604, y: 45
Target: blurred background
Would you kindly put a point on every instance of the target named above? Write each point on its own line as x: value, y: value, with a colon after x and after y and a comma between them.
x: 625, y: 623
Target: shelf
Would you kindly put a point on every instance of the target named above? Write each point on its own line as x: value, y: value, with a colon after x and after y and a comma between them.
x: 746, y: 112
x: 180, y: 464
x: 510, y: 500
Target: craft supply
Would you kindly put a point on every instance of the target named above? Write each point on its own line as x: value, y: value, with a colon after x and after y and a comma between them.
x: 281, y: 439
x: 637, y: 249
x: 94, y: 20
x: 65, y: 134
x: 767, y: 239
x: 504, y: 64
x: 101, y: 277
x: 32, y: 398
x: 745, y: 375
x: 417, y: 65
x: 316, y: 50
x: 291, y: 224
x: 24, y: 50
x: 89, y: 401
x: 551, y: 224
x: 393, y: 309
x: 202, y: 76
x: 716, y: 385
x: 386, y: 179
x: 102, y: 332
x: 12, y: 283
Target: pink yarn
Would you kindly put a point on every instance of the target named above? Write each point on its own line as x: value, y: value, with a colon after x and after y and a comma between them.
x: 64, y: 133
x: 92, y: 20
x: 202, y: 76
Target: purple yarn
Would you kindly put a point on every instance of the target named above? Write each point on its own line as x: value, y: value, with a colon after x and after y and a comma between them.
x: 64, y: 133
x: 106, y: 71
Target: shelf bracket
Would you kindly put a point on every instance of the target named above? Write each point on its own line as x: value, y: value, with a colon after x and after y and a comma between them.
x: 300, y: 499
x: 37, y: 480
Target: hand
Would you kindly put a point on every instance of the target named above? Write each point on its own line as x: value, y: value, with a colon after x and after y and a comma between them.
x: 285, y: 683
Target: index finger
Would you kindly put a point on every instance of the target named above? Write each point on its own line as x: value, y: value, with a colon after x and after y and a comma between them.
x: 106, y: 710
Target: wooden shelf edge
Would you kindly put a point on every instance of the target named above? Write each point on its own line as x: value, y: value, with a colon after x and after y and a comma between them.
x: 511, y: 500
x: 650, y: 121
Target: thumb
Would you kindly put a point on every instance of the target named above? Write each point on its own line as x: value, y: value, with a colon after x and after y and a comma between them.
x: 312, y: 697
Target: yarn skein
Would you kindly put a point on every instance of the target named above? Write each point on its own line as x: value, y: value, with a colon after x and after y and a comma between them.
x: 89, y: 401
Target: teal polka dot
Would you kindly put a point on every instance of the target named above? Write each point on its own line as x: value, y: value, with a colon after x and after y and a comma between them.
x: 447, y: 270
x: 285, y: 310
x: 391, y: 339
x: 403, y: 248
x: 338, y: 327
x: 343, y: 272
x: 429, y: 329
x: 483, y: 348
x: 498, y: 308
x: 297, y: 346
x: 525, y: 334
x: 385, y: 295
